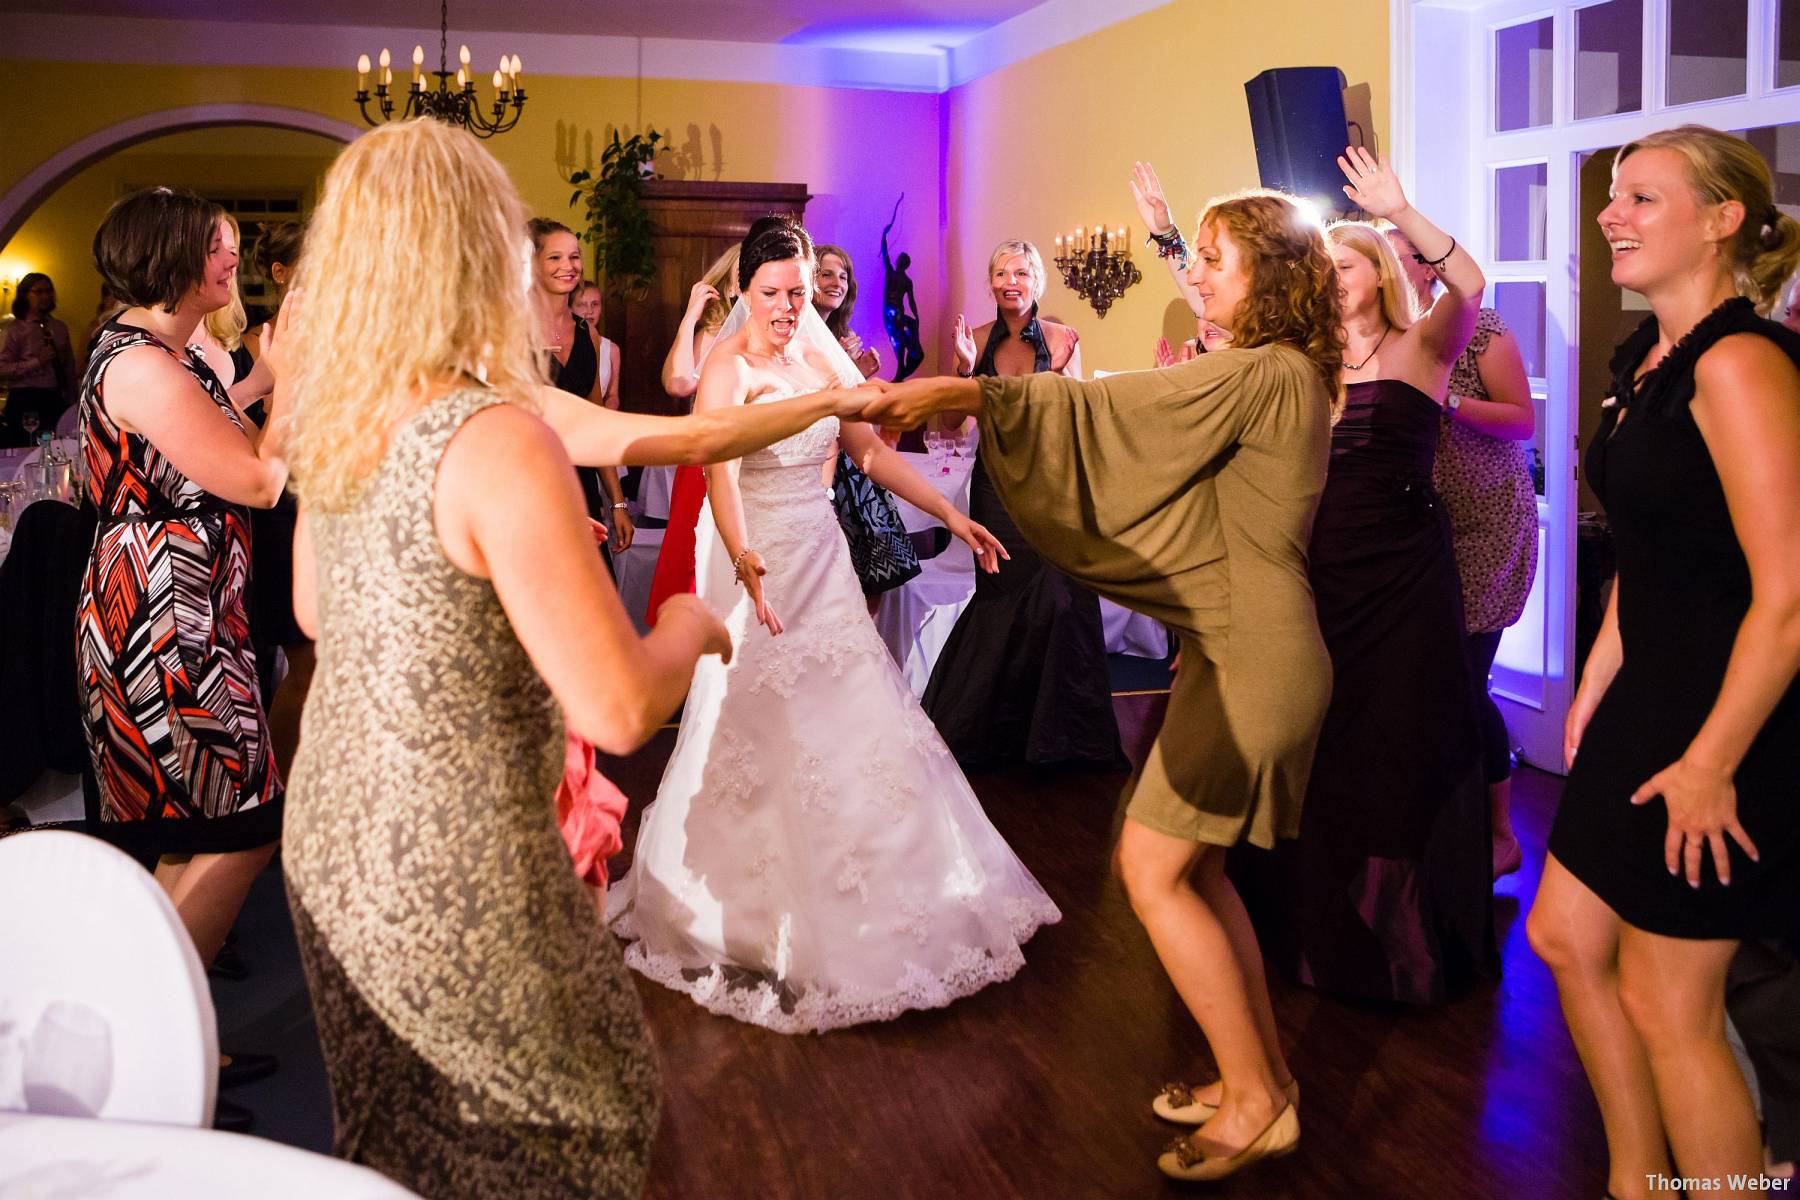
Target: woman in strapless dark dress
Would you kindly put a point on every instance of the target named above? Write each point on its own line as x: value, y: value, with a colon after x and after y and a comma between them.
x: 1386, y: 894
x: 1679, y: 830
x: 1023, y: 677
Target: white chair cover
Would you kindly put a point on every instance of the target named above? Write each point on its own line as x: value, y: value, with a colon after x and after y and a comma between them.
x: 104, y: 1007
x: 67, y: 424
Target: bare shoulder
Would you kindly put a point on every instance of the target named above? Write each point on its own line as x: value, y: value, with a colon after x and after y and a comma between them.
x: 1746, y: 365
x: 980, y: 332
x: 146, y: 367
x: 501, y: 450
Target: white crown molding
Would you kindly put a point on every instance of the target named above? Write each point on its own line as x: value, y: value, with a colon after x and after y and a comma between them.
x: 1052, y: 23
x: 62, y: 37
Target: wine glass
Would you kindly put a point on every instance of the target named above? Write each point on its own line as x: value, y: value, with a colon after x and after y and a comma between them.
x: 68, y: 1062
x: 28, y: 421
x: 934, y: 446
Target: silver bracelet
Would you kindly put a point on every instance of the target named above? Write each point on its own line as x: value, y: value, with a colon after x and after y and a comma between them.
x: 621, y: 504
x: 736, y: 565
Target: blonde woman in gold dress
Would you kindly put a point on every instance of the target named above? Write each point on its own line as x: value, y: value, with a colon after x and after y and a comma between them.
x: 480, y: 1034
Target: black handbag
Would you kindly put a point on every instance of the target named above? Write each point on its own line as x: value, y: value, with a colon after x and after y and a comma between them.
x: 880, y: 548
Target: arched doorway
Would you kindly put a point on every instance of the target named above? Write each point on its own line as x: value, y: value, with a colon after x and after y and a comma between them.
x: 22, y: 199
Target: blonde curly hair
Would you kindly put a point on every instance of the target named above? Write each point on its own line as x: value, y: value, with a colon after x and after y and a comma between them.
x: 1293, y: 289
x: 367, y: 347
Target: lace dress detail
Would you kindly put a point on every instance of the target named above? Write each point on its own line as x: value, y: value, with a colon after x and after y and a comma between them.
x: 814, y: 858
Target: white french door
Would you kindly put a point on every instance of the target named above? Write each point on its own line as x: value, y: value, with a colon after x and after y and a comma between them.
x: 1496, y: 104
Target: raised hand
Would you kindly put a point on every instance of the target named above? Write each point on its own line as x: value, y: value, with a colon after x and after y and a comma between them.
x: 1373, y: 186
x: 987, y: 547
x: 965, y: 346
x: 1152, y: 205
x: 1165, y: 357
x: 699, y: 296
x: 750, y: 572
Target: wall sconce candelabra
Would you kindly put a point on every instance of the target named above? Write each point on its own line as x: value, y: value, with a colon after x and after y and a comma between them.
x: 457, y: 105
x: 1096, y: 264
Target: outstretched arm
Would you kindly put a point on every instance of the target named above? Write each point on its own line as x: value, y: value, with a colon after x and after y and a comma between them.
x: 603, y: 437
x: 882, y: 464
x: 1375, y: 188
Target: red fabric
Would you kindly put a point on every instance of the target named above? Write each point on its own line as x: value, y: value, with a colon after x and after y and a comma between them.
x: 588, y: 811
x: 675, y: 564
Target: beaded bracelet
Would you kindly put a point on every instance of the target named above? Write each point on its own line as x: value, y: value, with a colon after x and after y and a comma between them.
x: 1170, y: 245
x: 736, y: 564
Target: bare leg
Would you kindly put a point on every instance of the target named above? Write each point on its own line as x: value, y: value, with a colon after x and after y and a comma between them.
x: 1219, y: 894
x: 1673, y: 992
x: 1195, y: 946
x: 210, y: 891
x: 290, y: 698
x: 1508, y: 856
x: 1577, y: 936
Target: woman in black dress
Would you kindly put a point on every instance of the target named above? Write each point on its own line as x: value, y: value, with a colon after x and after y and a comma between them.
x: 1386, y: 894
x: 578, y: 360
x: 1679, y: 830
x: 1023, y: 677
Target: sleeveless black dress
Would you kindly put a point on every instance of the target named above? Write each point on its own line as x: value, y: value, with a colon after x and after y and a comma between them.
x: 1023, y: 676
x: 1387, y: 893
x: 577, y: 377
x: 1685, y: 590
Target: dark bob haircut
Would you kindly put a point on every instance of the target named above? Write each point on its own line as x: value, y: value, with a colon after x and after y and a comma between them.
x: 151, y: 249
x: 21, y: 303
x: 771, y: 239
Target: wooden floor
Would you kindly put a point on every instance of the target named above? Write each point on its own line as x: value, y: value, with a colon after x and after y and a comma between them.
x: 1039, y: 1088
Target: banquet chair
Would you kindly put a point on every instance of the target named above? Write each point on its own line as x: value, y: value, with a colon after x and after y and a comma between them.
x: 104, y: 1007
x: 41, y: 724
x: 70, y: 422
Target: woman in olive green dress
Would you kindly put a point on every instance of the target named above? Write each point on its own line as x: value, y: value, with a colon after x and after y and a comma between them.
x: 1188, y: 494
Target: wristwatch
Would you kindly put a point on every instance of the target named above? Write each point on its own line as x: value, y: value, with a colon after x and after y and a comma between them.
x: 1453, y: 403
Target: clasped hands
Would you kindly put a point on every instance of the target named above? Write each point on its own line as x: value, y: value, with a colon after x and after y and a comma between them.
x: 904, y: 405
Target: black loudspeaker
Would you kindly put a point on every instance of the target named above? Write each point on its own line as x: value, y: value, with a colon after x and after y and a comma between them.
x: 1297, y: 118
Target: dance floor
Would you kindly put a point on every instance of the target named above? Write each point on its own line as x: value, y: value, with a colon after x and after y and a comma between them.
x: 1039, y: 1087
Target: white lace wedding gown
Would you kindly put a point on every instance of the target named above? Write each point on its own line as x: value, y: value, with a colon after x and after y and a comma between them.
x: 814, y: 857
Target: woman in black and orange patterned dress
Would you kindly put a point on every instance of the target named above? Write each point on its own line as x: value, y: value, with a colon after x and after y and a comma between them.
x: 176, y: 729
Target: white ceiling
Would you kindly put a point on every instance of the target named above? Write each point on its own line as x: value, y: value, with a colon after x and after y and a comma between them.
x: 863, y: 24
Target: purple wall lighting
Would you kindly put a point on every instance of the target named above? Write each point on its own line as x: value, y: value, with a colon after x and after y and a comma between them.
x: 1523, y: 75
x: 1609, y: 58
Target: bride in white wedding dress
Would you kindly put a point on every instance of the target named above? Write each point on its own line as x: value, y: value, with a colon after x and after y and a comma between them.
x: 814, y: 857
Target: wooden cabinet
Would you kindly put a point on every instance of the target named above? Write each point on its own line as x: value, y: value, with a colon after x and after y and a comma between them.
x: 696, y: 221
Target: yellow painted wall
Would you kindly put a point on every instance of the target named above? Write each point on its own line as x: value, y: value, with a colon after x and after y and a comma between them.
x: 855, y: 150
x: 58, y: 235
x: 1027, y: 151
x: 1048, y: 143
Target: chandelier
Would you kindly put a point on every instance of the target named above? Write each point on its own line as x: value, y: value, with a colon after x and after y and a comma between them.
x: 457, y: 104
x: 1096, y: 265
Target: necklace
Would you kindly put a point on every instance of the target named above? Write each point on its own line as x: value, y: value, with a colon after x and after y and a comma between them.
x: 1365, y: 362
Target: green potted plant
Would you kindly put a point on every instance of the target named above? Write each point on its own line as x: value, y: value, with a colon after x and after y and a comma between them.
x: 618, y: 228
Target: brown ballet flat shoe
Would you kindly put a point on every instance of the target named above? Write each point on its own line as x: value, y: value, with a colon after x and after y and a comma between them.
x: 1178, y: 1103
x: 1189, y: 1163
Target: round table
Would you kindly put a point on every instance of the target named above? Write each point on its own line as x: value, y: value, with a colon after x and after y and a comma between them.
x: 916, y: 618
x: 66, y: 1158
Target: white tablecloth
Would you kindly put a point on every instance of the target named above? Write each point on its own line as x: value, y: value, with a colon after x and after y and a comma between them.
x: 64, y: 1158
x: 915, y: 619
x: 654, y: 487
x: 633, y: 572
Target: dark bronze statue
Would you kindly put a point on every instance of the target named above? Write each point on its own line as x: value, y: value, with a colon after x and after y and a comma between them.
x: 897, y: 297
